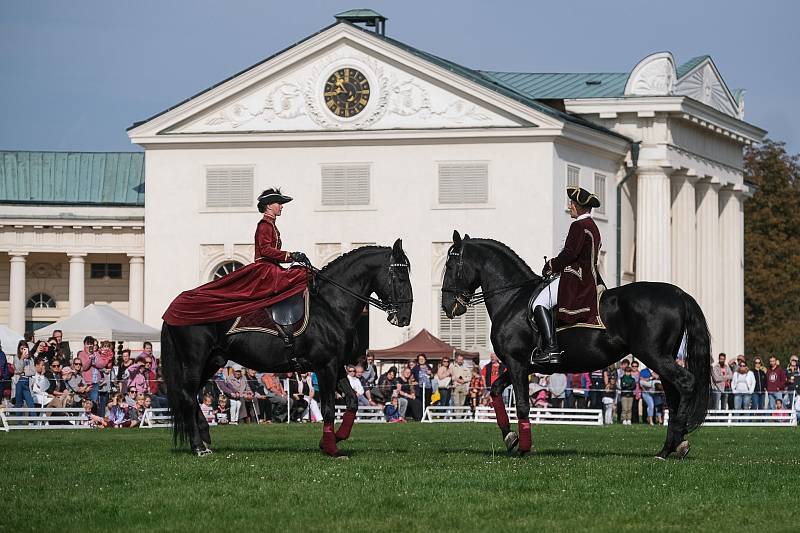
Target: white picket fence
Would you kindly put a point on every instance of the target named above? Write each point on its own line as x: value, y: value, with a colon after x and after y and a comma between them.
x: 366, y: 413
x: 747, y: 418
x: 155, y: 418
x: 571, y: 417
x: 43, y: 418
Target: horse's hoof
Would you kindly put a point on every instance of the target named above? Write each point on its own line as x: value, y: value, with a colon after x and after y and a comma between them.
x: 203, y: 452
x: 522, y: 454
x: 511, y: 440
x: 660, y: 458
x: 683, y: 449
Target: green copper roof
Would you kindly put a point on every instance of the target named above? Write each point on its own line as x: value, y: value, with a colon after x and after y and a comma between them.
x: 72, y: 178
x: 546, y: 85
x: 684, y: 69
x: 358, y: 14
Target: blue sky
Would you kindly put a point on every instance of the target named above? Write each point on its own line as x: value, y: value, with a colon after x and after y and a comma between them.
x: 76, y: 74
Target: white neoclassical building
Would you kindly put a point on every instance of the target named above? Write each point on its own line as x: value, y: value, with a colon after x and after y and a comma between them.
x: 377, y: 140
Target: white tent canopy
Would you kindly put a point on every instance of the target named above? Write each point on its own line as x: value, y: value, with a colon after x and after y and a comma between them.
x: 102, y: 322
x: 9, y: 340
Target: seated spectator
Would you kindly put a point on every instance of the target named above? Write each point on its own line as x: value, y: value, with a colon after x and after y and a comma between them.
x: 137, y: 377
x: 240, y: 391
x: 263, y: 409
x: 407, y: 391
x: 118, y: 413
x: 92, y: 420
x: 160, y: 399
x: 385, y: 386
x: 444, y: 378
x: 75, y: 384
x: 356, y: 385
x: 130, y: 397
x: 391, y: 411
x: 58, y: 388
x: 231, y: 394
x: 276, y: 395
x: 223, y: 412
x: 208, y: 409
x: 313, y: 413
x: 139, y: 407
x: 370, y: 373
x: 365, y: 385
x: 476, y: 387
x: 298, y: 390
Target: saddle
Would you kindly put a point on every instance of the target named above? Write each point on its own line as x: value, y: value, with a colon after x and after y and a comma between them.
x: 286, y: 319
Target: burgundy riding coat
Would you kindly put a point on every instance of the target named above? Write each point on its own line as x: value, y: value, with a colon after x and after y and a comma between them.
x: 254, y: 286
x: 577, y: 263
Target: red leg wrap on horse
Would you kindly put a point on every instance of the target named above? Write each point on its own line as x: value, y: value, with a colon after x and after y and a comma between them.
x: 524, y: 435
x: 347, y: 425
x: 500, y: 412
x: 329, y: 439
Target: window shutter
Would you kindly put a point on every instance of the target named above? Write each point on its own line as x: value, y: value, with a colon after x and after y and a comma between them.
x: 344, y: 185
x: 573, y: 179
x: 463, y: 183
x: 229, y: 187
x: 600, y: 191
x: 468, y: 330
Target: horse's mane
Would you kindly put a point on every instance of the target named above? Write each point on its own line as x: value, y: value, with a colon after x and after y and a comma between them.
x: 370, y: 248
x: 505, y: 248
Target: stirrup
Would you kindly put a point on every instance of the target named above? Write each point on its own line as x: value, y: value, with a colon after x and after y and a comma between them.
x: 542, y: 357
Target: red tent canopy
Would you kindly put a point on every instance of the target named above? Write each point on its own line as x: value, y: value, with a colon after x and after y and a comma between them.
x: 422, y: 343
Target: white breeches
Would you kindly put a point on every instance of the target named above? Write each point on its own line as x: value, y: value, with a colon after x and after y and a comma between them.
x: 549, y: 295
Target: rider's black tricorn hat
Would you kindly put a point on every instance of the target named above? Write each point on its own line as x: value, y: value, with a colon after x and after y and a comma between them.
x: 274, y: 196
x: 582, y: 197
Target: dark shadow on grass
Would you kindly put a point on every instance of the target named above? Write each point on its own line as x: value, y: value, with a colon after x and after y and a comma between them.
x: 552, y: 453
x: 224, y: 450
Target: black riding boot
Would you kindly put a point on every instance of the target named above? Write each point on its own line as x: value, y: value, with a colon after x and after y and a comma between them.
x: 548, y: 351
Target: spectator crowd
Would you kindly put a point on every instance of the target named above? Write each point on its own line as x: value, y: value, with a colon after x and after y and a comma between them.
x: 115, y: 387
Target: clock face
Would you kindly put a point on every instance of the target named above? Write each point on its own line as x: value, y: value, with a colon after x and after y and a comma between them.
x: 346, y: 92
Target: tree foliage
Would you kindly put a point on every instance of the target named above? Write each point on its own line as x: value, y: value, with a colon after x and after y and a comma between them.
x: 772, y: 251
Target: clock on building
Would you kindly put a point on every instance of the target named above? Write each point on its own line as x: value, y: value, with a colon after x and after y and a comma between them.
x: 346, y: 92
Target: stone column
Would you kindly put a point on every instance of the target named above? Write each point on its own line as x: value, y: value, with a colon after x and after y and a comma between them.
x: 136, y: 287
x: 653, y: 248
x: 77, y: 282
x: 731, y: 237
x: 16, y: 296
x: 708, y: 259
x: 684, y: 241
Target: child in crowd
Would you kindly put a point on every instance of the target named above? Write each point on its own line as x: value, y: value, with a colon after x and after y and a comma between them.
x: 92, y: 420
x: 609, y: 396
x: 476, y: 386
x: 207, y: 408
x: 118, y: 413
x: 392, y: 411
x: 223, y: 412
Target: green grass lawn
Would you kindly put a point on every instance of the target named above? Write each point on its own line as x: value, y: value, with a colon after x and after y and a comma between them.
x: 399, y: 477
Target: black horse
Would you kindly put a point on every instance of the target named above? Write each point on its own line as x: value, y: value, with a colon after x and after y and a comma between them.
x: 644, y: 319
x: 192, y: 354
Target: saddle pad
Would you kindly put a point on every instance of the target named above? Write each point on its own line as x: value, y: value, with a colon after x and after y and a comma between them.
x: 261, y: 320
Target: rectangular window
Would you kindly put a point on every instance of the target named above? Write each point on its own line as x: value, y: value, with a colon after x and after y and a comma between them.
x: 345, y: 185
x: 468, y: 330
x: 463, y: 183
x: 600, y: 191
x: 229, y: 187
x: 103, y: 270
x: 573, y: 179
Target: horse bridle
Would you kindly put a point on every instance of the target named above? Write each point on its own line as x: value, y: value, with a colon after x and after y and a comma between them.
x: 463, y: 296
x: 390, y: 307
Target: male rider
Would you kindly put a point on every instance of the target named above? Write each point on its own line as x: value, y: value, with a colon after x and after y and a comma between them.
x: 575, y: 290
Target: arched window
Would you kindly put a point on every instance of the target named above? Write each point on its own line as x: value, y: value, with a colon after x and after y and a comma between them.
x: 41, y: 301
x: 227, y: 268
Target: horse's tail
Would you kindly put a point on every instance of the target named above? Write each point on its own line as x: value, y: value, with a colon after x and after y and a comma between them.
x: 173, y: 376
x: 698, y: 361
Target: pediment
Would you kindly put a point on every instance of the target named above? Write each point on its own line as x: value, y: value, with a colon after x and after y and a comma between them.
x: 286, y: 94
x: 704, y: 84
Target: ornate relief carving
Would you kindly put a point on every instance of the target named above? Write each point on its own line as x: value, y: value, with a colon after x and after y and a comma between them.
x: 45, y: 270
x: 653, y: 76
x: 704, y: 85
x: 295, y: 102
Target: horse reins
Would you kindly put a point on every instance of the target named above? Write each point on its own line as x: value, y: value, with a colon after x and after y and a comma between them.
x: 387, y: 307
x: 476, y: 298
